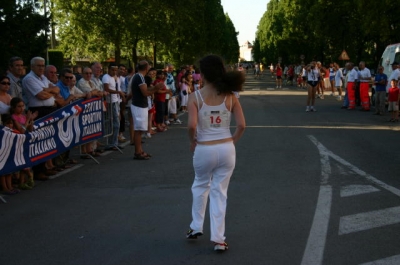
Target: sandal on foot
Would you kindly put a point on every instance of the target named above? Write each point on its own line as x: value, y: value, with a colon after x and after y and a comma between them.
x: 146, y: 154
x: 140, y: 157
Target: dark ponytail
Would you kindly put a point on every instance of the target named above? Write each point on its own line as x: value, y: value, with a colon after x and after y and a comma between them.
x: 213, y: 69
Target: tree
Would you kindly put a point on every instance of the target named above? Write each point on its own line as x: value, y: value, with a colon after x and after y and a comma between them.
x: 22, y: 30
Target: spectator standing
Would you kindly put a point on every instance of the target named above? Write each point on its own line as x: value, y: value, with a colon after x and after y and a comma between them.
x: 186, y: 89
x: 40, y: 95
x: 351, y: 86
x: 51, y: 74
x: 15, y: 73
x: 278, y: 76
x: 172, y: 108
x: 339, y: 79
x: 112, y: 85
x: 380, y: 91
x: 394, y: 75
x: 364, y: 76
x: 64, y: 84
x: 5, y: 98
x: 122, y: 106
x: 257, y: 70
x: 97, y: 71
x: 214, y: 158
x: 332, y: 74
x: 393, y: 99
x: 159, y: 100
x: 139, y: 107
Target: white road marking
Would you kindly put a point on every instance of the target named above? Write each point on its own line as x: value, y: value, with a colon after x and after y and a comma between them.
x: 314, y: 253
x: 365, y: 221
x: 353, y: 190
x: 393, y: 260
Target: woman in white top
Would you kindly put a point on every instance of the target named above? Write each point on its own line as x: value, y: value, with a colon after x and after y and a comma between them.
x: 213, y: 144
x: 338, y: 80
x: 312, y: 80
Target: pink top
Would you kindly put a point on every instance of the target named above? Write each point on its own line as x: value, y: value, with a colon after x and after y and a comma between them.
x: 19, y: 118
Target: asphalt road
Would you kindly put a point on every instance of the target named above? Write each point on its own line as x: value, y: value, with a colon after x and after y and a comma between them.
x: 308, y: 188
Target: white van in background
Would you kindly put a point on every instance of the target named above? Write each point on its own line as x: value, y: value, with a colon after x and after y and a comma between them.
x: 390, y: 55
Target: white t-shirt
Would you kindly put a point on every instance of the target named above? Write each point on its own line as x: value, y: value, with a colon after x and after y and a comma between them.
x: 112, y: 85
x: 338, y: 78
x: 352, y: 76
x: 364, y: 73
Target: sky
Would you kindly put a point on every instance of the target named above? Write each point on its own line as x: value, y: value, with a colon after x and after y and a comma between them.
x: 245, y: 16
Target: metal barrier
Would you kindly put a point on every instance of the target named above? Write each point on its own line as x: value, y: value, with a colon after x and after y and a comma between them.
x: 107, y: 127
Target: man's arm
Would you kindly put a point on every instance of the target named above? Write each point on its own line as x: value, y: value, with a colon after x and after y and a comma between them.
x: 148, y: 91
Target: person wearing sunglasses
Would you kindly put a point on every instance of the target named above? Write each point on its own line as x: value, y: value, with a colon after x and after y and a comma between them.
x: 64, y: 84
x: 5, y: 98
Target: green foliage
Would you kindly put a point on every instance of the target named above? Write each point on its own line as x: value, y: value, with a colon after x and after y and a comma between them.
x: 22, y: 31
x: 178, y: 31
x: 320, y: 30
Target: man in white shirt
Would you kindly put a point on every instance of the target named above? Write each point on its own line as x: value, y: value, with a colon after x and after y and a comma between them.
x: 364, y: 76
x: 112, y: 85
x: 352, y: 76
x: 394, y: 75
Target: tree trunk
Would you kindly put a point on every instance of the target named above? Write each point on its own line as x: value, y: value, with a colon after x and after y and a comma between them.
x: 154, y: 55
x: 134, y: 53
x: 118, y: 50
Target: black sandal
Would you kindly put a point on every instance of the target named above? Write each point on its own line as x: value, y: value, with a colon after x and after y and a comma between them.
x: 141, y: 157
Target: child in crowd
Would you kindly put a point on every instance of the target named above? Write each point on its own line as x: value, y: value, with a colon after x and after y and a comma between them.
x: 6, y: 180
x: 159, y: 101
x: 394, y: 98
x: 196, y: 85
x: 22, y: 123
x: 186, y: 89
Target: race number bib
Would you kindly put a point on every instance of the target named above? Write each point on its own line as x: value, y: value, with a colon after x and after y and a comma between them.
x: 216, y: 119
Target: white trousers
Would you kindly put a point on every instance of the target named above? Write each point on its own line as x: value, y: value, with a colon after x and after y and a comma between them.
x: 213, y: 166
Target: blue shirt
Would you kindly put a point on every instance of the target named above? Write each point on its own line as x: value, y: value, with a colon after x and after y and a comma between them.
x: 64, y: 90
x: 380, y: 87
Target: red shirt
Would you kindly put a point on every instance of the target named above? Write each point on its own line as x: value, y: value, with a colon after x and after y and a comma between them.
x: 160, y: 96
x: 393, y: 94
x: 278, y: 71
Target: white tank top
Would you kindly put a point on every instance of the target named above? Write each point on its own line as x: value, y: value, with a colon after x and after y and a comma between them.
x: 213, y: 121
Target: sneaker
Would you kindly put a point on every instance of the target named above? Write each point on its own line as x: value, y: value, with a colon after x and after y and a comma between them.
x: 220, y: 247
x: 167, y: 123
x: 177, y: 121
x: 307, y: 109
x: 148, y: 135
x: 313, y: 109
x: 339, y: 98
x: 191, y: 234
x: 122, y: 137
x: 321, y: 97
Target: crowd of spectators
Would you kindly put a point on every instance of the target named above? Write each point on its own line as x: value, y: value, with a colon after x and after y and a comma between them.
x: 25, y: 97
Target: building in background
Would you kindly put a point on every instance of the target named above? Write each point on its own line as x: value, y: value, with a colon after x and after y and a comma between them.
x: 245, y: 52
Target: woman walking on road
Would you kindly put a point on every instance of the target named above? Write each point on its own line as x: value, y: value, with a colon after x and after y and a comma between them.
x: 210, y: 111
x: 312, y: 80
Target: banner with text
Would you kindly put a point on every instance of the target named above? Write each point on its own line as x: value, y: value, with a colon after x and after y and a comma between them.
x: 75, y: 124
